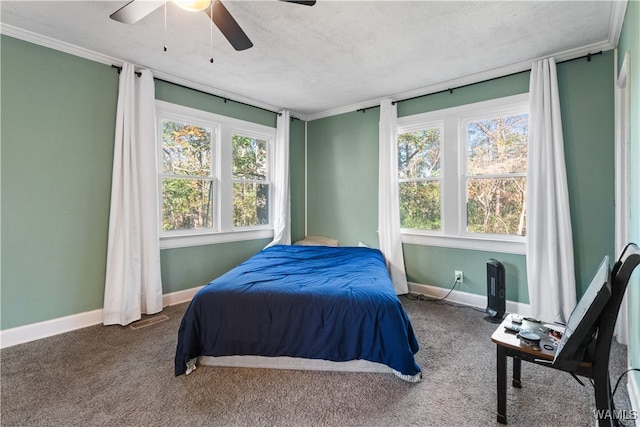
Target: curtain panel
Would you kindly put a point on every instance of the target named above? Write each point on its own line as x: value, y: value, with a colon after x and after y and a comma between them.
x: 281, y: 192
x: 389, y: 198
x: 550, y: 261
x: 133, y: 282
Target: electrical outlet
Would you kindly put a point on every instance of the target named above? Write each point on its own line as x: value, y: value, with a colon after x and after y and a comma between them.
x: 458, y: 276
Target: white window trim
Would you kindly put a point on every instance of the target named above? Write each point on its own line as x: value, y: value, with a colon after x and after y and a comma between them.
x: 453, y: 232
x: 223, y: 230
x: 186, y: 240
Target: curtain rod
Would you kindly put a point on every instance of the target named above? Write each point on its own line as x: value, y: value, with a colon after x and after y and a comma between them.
x: 138, y: 73
x: 450, y: 90
x: 117, y: 67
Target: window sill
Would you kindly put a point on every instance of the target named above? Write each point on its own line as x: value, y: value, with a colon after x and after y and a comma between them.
x: 186, y: 240
x: 470, y: 243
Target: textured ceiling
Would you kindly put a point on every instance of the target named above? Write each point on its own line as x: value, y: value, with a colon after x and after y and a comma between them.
x: 336, y: 54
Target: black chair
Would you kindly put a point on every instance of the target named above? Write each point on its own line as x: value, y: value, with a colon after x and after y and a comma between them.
x: 599, y: 372
x: 592, y: 364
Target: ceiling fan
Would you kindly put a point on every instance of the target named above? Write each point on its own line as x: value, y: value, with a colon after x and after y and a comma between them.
x: 135, y: 10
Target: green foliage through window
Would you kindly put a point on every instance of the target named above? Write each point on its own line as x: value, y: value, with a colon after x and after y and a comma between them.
x: 186, y: 204
x: 250, y: 186
x: 496, y: 175
x: 420, y: 205
x: 187, y: 183
x: 419, y: 177
x: 186, y: 149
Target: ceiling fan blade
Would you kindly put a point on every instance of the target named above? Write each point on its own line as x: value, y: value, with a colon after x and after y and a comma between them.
x: 228, y: 26
x: 135, y: 10
x: 303, y: 2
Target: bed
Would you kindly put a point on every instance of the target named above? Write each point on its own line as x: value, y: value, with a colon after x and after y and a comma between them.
x: 312, y: 305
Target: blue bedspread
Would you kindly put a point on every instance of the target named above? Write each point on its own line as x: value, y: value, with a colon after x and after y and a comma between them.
x: 331, y: 303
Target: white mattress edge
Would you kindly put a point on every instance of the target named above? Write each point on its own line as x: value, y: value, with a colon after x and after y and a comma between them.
x: 294, y: 363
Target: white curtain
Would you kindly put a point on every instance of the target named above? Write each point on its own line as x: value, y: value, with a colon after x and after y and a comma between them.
x: 133, y: 284
x: 389, y: 198
x: 281, y: 197
x: 550, y: 265
x: 622, y: 181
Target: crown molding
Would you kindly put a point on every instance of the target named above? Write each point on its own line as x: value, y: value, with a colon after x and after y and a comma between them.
x: 617, y: 20
x: 38, y: 39
x: 466, y: 80
x: 81, y: 52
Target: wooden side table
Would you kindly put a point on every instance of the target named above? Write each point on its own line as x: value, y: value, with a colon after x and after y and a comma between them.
x: 508, y: 345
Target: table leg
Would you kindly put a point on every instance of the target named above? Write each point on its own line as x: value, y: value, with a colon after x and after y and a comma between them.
x: 517, y: 364
x: 501, y: 376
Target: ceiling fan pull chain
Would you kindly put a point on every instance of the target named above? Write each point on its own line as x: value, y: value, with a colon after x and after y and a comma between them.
x: 211, y: 32
x: 165, y: 26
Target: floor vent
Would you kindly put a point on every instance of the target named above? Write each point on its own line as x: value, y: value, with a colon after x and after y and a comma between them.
x: 148, y: 322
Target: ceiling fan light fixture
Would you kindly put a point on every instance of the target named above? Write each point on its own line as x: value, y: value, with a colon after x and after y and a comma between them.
x: 193, y: 5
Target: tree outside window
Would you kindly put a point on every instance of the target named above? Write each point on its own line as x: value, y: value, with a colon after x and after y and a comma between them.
x: 419, y: 178
x: 250, y: 181
x: 496, y: 169
x: 187, y: 176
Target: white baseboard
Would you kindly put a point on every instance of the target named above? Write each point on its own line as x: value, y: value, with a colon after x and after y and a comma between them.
x: 179, y: 297
x: 466, y: 298
x: 48, y: 328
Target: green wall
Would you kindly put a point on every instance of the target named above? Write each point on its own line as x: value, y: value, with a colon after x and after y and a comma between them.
x: 343, y: 164
x: 435, y: 266
x: 587, y: 104
x: 201, y: 101
x: 343, y: 177
x: 498, y: 88
x: 186, y: 268
x: 58, y: 119
x: 297, y: 181
x: 58, y: 115
x: 630, y: 42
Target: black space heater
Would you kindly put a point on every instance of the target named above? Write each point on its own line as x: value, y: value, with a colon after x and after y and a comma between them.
x: 496, y: 302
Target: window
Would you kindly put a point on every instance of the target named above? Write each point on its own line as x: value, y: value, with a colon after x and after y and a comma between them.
x: 495, y: 175
x: 187, y: 176
x: 250, y: 181
x: 213, y: 177
x: 419, y: 177
x: 462, y: 175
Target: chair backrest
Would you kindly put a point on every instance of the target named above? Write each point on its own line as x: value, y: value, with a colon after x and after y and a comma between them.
x: 620, y: 275
x: 583, y: 323
x: 590, y: 328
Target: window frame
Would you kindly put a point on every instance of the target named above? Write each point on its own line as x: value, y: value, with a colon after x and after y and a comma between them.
x: 453, y: 231
x: 223, y: 229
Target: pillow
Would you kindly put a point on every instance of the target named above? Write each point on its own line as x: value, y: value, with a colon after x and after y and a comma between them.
x: 317, y: 241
